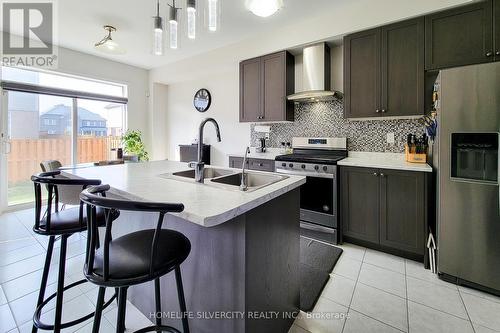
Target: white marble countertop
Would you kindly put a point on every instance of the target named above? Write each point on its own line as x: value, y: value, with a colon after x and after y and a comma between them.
x: 383, y: 161
x: 270, y: 154
x: 203, y: 204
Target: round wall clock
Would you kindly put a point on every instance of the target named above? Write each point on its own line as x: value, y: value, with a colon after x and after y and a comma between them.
x: 202, y: 100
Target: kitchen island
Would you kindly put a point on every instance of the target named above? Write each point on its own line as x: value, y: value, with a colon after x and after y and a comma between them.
x: 242, y: 274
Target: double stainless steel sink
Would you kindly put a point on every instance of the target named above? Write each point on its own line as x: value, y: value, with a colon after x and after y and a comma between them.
x: 229, y: 179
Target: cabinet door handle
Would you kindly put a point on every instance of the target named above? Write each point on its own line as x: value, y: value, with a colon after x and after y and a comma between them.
x: 498, y: 53
x: 375, y: 174
x: 377, y: 111
x: 383, y: 110
x: 382, y: 175
x: 489, y: 54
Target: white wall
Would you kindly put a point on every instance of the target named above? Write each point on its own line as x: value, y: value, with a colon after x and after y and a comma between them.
x: 218, y: 70
x: 137, y: 80
x: 183, y: 120
x: 157, y: 120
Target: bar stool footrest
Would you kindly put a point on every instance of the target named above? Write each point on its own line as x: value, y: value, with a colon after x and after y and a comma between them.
x: 156, y: 328
x: 38, y: 312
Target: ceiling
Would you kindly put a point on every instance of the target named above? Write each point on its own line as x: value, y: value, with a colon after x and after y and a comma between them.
x: 80, y: 26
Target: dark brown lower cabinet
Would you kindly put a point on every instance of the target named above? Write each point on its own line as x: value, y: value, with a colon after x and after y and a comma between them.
x: 402, y: 210
x: 360, y: 203
x: 385, y: 209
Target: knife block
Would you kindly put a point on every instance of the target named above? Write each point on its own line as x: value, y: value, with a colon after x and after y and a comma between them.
x: 414, y: 158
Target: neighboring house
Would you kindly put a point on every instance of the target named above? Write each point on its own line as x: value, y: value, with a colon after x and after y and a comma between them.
x: 57, y: 121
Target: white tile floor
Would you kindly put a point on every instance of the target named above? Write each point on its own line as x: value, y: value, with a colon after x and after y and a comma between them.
x: 22, y: 255
x: 378, y: 292
x: 368, y: 291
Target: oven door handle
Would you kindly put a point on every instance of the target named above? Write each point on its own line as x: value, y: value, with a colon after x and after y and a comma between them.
x: 306, y: 173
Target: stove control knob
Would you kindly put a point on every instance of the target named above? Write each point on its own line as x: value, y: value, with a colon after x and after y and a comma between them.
x: 316, y: 167
x: 325, y: 168
x: 283, y: 165
x: 303, y: 166
x: 290, y: 165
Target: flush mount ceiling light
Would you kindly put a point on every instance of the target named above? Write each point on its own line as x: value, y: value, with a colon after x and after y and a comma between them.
x: 264, y: 8
x: 107, y: 44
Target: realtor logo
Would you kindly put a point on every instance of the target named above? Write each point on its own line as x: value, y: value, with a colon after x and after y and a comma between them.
x: 28, y: 33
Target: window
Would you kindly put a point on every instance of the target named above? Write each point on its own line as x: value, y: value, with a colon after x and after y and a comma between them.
x: 40, y: 118
x: 63, y: 81
x: 106, y: 127
x: 48, y: 121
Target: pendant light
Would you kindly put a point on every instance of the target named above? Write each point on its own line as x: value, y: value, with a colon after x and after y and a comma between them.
x: 107, y: 44
x: 191, y: 18
x: 157, y: 31
x: 173, y: 25
x: 213, y: 15
x: 264, y: 8
x: 170, y: 25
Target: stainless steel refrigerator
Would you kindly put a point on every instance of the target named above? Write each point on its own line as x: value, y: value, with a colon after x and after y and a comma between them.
x: 468, y: 214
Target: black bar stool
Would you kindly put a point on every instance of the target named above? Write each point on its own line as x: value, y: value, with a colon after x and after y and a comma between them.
x: 134, y: 258
x: 61, y: 224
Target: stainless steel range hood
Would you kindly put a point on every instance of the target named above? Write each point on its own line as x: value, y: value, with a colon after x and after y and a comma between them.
x: 315, y: 76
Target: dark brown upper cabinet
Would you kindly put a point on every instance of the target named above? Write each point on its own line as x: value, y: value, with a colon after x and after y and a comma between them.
x: 384, y: 71
x: 460, y: 36
x: 265, y: 83
x: 250, y: 90
x: 496, y: 7
x: 362, y: 74
x: 403, y: 72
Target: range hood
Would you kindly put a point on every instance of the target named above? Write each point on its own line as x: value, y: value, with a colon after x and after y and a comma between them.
x: 315, y: 76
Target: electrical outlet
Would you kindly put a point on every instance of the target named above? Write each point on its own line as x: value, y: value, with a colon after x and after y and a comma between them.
x: 390, y: 139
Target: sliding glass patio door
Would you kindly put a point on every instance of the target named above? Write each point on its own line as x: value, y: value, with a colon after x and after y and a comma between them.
x: 49, y: 116
x: 4, y: 149
x: 36, y: 128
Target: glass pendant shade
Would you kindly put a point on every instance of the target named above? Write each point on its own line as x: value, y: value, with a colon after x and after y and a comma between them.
x: 191, y: 18
x: 213, y: 15
x: 158, y: 36
x: 173, y: 25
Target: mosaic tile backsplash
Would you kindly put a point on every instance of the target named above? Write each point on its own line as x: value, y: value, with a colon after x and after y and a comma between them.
x: 325, y: 119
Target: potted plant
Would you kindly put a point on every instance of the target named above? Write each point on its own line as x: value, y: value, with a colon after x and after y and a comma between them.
x: 133, y: 145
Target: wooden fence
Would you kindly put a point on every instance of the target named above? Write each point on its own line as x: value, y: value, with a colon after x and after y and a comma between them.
x: 26, y: 154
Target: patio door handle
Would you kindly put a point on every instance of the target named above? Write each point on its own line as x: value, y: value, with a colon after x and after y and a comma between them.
x: 7, y: 147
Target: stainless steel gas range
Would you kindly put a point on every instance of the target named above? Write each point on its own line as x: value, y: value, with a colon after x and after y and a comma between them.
x: 316, y: 158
